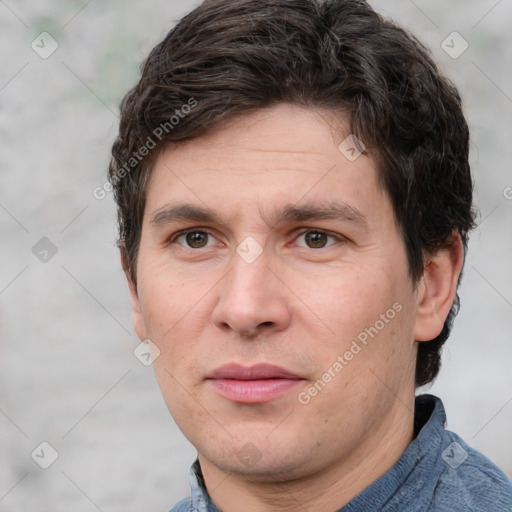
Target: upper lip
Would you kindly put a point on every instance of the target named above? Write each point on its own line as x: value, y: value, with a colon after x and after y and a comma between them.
x: 260, y: 371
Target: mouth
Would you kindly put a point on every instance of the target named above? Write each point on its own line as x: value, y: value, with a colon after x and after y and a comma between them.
x: 254, y: 384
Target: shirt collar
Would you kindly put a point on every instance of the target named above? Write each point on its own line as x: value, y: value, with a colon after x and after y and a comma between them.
x: 200, y: 500
x: 419, y: 457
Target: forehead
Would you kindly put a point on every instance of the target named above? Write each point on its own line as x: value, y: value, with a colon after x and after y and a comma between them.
x: 267, y: 160
x: 282, y: 133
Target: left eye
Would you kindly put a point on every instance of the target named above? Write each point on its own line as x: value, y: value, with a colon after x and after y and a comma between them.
x: 315, y: 239
x: 194, y: 239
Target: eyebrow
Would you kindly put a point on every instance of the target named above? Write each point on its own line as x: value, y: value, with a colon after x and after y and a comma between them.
x: 298, y: 213
x: 183, y: 212
x: 313, y: 211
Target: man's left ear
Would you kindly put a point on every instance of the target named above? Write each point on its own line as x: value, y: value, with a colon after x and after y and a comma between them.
x: 437, y: 289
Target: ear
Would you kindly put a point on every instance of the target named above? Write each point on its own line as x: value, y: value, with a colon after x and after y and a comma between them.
x: 138, y: 320
x: 437, y: 289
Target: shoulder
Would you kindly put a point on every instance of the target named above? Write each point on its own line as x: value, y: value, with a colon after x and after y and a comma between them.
x: 469, y: 480
x: 184, y: 505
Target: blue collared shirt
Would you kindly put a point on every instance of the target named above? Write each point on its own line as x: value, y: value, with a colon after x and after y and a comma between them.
x: 438, y: 472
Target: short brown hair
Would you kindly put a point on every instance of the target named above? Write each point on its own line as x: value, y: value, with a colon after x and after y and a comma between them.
x: 227, y: 58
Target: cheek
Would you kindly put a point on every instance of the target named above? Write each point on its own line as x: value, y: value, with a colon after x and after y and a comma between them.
x: 365, y: 313
x: 166, y: 296
x: 176, y: 312
x: 347, y: 301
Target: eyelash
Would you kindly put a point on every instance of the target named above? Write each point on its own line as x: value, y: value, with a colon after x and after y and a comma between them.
x: 297, y: 234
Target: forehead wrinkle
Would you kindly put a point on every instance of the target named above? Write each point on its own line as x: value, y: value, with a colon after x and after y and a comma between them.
x: 248, y: 149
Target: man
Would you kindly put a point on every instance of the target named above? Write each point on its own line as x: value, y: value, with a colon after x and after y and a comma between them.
x: 294, y: 202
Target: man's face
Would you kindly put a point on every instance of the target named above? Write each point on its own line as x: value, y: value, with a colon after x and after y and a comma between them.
x: 268, y: 279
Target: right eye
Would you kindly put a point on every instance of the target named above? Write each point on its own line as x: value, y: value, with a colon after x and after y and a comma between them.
x: 193, y: 239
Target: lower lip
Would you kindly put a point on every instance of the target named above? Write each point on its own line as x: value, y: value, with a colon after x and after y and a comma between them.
x: 253, y: 391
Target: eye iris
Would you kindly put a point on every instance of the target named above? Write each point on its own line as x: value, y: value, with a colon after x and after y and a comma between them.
x: 197, y: 239
x: 316, y: 240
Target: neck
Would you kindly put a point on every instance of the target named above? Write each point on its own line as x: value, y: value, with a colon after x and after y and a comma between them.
x: 329, y: 489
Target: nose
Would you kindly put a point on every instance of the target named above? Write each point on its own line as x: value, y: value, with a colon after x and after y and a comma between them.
x: 252, y: 300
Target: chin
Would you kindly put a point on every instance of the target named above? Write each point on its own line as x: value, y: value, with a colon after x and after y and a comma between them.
x: 273, y: 463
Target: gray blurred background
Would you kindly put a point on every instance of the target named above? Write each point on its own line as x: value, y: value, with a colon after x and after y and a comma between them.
x: 68, y: 375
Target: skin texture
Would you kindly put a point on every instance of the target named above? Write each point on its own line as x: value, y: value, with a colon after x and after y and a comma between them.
x: 296, y: 306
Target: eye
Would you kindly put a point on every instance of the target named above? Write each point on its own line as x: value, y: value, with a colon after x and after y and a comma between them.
x: 316, y: 239
x: 193, y: 239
